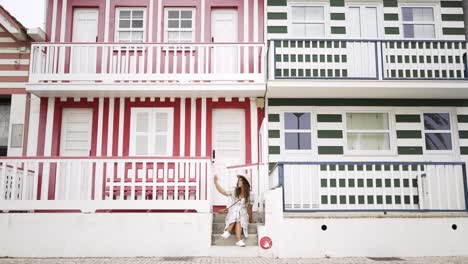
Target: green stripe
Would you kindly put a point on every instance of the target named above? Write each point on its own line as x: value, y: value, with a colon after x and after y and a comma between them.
x: 410, y: 150
x: 409, y: 134
x: 451, y: 4
x: 463, y: 134
x: 365, y: 102
x: 277, y: 29
x: 392, y: 30
x: 273, y: 117
x: 337, y: 16
x: 273, y: 133
x: 329, y: 118
x: 408, y: 118
x: 330, y: 134
x: 274, y: 149
x: 462, y: 118
x: 338, y: 30
x: 390, y: 3
x: 452, y: 17
x: 336, y: 2
x: 464, y: 150
x: 453, y: 31
x: 390, y: 17
x: 277, y: 2
x: 330, y: 150
x: 272, y: 15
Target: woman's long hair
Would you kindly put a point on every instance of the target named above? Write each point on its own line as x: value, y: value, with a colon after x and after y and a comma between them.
x: 246, y: 193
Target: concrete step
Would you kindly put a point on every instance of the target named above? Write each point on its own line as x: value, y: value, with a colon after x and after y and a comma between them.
x: 219, y: 218
x: 235, y: 251
x: 217, y: 240
x: 218, y: 228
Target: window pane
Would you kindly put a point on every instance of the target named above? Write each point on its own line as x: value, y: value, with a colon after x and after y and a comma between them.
x: 186, y: 14
x: 137, y: 14
x: 124, y: 23
x: 367, y: 121
x: 438, y: 141
x: 186, y: 36
x: 437, y: 121
x: 423, y: 14
x: 186, y: 24
x: 141, y: 145
x: 354, y: 22
x: 298, y: 13
x: 137, y: 36
x: 142, y: 122
x: 137, y: 24
x: 408, y: 31
x: 160, y: 148
x: 161, y: 122
x: 173, y: 36
x: 4, y: 124
x: 368, y: 141
x: 407, y: 13
x: 297, y: 120
x: 173, y: 24
x: 298, y: 30
x: 424, y: 31
x: 173, y: 14
x: 298, y: 140
x: 315, y: 30
x: 314, y: 13
x: 124, y: 14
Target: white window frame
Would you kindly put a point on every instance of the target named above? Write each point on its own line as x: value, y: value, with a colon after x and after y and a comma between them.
x: 437, y: 18
x: 326, y: 18
x: 380, y: 17
x: 451, y: 131
x: 117, y: 24
x: 391, y: 131
x: 152, y: 132
x: 166, y: 22
x: 313, y: 133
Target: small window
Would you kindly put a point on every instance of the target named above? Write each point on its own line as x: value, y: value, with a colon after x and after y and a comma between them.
x: 418, y: 22
x: 151, y: 132
x: 308, y: 21
x: 179, y: 25
x: 367, y: 132
x: 297, y: 131
x: 437, y: 131
x: 130, y: 25
x: 16, y: 135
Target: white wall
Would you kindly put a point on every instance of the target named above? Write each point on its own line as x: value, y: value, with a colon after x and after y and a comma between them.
x: 17, y: 113
x: 364, y: 236
x: 105, y: 235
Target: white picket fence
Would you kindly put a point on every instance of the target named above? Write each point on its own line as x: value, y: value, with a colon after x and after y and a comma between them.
x: 90, y: 184
x: 372, y: 186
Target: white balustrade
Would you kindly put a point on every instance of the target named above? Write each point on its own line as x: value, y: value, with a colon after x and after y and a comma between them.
x: 368, y: 186
x: 90, y: 184
x: 146, y: 62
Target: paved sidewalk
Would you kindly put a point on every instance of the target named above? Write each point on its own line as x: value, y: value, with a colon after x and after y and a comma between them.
x: 175, y: 260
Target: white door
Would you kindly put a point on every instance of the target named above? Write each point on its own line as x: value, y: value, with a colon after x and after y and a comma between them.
x: 224, y: 30
x: 85, y: 29
x: 229, y: 146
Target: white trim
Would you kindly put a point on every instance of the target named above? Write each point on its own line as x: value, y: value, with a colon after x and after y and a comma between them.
x: 63, y: 19
x: 100, y: 123
x: 117, y: 17
x: 150, y: 21
x: 203, y: 128
x: 453, y: 127
x: 202, y: 21
x: 193, y: 128
x: 110, y: 130
x: 121, y: 126
x: 159, y: 19
x: 438, y: 34
x: 107, y: 21
x: 54, y: 21
x: 255, y: 21
x: 313, y: 132
x: 326, y: 17
x: 193, y: 29
x: 182, y: 127
x: 254, y: 130
x: 246, y: 20
x: 49, y: 126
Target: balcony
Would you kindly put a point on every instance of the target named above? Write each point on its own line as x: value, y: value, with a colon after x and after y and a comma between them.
x: 372, y: 186
x: 149, y: 67
x: 400, y: 68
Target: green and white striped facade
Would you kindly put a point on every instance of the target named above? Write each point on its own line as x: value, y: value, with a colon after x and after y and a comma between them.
x: 449, y: 17
x: 329, y: 129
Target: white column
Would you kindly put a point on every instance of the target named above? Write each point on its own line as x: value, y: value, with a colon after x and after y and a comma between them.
x: 63, y: 22
x: 182, y: 127
x: 107, y: 21
x: 54, y: 21
x: 203, y: 127
x: 100, y: 124
x: 203, y: 14
x: 160, y: 19
x: 246, y: 20
x: 121, y: 125
x: 193, y: 124
x: 110, y: 131
x: 254, y: 129
x: 49, y: 126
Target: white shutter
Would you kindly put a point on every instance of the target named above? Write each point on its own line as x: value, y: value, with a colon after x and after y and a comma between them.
x: 151, y: 131
x: 140, y: 132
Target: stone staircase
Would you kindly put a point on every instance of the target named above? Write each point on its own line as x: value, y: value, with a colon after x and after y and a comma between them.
x: 218, y: 229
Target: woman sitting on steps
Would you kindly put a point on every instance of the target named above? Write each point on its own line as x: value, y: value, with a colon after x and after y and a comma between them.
x: 240, y: 211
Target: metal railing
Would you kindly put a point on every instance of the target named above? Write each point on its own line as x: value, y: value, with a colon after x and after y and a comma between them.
x: 367, y: 59
x: 372, y: 186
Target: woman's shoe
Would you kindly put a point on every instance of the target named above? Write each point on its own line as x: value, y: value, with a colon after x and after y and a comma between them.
x: 240, y: 243
x: 226, y: 235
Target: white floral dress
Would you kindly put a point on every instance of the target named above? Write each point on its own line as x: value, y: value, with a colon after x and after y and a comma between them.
x: 238, y: 212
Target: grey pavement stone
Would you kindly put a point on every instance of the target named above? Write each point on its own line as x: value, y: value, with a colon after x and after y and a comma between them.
x: 198, y: 260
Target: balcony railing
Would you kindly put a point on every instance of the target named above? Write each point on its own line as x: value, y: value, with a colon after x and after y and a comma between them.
x: 147, y: 62
x: 368, y: 59
x: 372, y: 186
x: 93, y: 184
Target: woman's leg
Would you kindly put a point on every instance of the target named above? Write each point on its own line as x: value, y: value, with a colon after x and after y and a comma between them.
x: 238, y: 231
x: 230, y: 228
